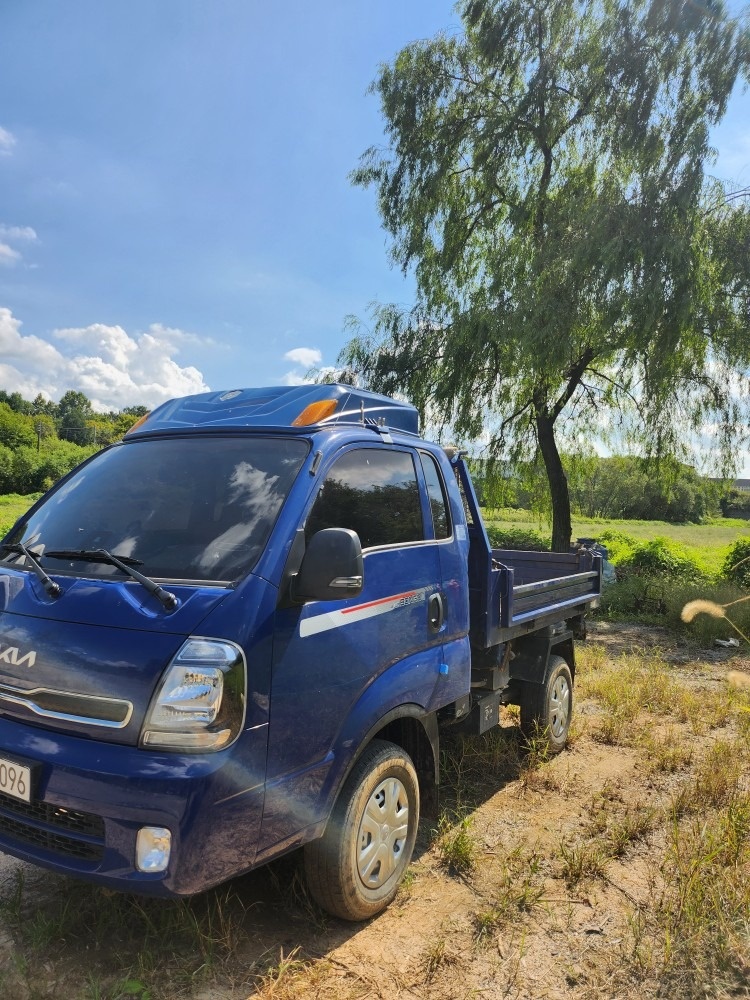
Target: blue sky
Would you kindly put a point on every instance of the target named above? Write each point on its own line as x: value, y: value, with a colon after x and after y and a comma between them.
x: 175, y: 211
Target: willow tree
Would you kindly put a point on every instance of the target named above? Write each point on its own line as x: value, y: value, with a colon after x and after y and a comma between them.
x: 544, y: 181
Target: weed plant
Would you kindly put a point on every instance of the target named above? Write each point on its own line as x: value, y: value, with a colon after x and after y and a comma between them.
x: 518, y: 890
x: 456, y: 843
x: 436, y: 956
x: 660, y: 601
x: 183, y: 942
x: 703, y: 914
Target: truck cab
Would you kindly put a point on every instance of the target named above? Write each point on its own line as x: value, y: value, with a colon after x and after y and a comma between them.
x: 240, y: 630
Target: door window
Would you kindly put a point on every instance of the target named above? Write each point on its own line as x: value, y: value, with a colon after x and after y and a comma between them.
x: 375, y: 493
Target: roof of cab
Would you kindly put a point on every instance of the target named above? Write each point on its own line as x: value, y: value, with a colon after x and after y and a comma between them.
x: 291, y: 408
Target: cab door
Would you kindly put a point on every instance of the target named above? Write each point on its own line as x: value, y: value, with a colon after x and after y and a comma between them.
x: 329, y: 655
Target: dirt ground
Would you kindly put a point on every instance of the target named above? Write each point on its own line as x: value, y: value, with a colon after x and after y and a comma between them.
x: 501, y: 901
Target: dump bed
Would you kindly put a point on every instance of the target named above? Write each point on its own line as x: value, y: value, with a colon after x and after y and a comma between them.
x: 513, y: 592
x: 538, y: 588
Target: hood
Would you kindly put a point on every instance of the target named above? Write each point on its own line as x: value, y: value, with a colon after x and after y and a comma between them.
x: 115, y: 602
x: 88, y: 662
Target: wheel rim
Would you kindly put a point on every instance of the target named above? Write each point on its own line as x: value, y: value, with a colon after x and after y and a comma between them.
x: 382, y: 833
x: 559, y: 710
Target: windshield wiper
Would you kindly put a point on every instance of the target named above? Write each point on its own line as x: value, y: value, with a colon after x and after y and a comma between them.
x: 52, y: 588
x: 125, y: 563
x: 93, y: 555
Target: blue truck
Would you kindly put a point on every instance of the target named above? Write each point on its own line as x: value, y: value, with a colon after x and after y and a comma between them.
x: 241, y: 630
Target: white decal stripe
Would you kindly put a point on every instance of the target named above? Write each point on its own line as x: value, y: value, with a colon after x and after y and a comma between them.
x: 335, y: 619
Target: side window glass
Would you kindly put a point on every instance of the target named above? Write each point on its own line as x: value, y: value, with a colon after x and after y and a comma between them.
x: 436, y: 493
x: 375, y: 493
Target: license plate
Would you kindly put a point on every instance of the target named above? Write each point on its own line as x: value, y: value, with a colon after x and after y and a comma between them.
x: 15, y: 780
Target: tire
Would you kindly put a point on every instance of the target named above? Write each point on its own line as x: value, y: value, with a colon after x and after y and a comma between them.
x: 546, y: 709
x: 353, y: 871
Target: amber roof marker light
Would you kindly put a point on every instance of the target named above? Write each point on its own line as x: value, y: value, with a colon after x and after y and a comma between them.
x: 313, y: 413
x: 137, y: 424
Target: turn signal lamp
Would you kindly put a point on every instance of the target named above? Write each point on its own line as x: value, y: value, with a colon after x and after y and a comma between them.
x: 315, y: 412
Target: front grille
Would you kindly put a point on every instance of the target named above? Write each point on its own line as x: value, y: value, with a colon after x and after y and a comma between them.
x: 91, y: 710
x: 44, y: 825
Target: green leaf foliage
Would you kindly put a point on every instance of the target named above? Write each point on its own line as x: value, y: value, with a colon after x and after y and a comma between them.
x: 633, y: 489
x: 737, y: 563
x: 508, y: 537
x: 544, y: 181
x: 619, y: 544
x: 40, y: 440
x: 735, y: 503
x: 16, y: 429
x: 661, y: 557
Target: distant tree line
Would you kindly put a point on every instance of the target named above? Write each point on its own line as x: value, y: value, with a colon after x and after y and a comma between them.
x: 40, y: 440
x: 623, y: 487
x: 735, y: 503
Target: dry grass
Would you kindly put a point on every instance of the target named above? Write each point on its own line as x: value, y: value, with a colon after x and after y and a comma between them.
x: 619, y: 868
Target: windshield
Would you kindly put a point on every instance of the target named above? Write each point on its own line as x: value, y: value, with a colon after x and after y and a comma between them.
x: 194, y: 508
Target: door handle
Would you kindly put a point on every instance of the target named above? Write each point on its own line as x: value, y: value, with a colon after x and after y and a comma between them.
x: 435, y: 612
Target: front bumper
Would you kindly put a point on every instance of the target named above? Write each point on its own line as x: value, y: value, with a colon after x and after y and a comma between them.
x: 91, y: 798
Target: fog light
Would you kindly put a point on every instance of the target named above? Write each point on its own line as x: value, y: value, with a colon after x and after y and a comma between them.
x: 152, y: 847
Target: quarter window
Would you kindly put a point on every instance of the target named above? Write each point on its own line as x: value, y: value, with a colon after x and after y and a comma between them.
x: 436, y: 494
x: 373, y: 492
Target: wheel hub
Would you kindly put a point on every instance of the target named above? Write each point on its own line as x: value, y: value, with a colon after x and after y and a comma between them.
x: 382, y: 833
x: 559, y: 706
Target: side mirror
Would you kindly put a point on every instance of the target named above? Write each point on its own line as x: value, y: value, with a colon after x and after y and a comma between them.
x: 332, y: 567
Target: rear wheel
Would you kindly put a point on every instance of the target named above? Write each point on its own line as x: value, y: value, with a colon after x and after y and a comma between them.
x: 354, y: 870
x: 546, y: 709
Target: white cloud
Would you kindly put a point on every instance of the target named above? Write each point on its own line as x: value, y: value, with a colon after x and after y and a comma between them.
x: 305, y: 356
x: 14, y: 234
x: 112, y: 367
x: 294, y: 378
x: 7, y: 141
x: 8, y: 255
x: 24, y: 233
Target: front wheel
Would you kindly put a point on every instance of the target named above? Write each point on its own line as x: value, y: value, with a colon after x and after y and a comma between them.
x: 354, y: 870
x: 546, y: 709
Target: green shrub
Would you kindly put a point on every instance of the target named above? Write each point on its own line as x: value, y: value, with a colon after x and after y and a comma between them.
x: 619, y: 544
x: 664, y: 558
x: 737, y: 563
x: 640, y: 597
x: 505, y: 537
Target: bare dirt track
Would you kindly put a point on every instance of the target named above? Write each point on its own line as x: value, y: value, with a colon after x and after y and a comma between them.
x: 542, y: 879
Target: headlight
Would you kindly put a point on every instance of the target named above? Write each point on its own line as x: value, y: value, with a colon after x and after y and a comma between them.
x: 200, y: 704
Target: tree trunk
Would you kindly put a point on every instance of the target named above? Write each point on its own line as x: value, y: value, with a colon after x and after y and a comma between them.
x: 558, y: 482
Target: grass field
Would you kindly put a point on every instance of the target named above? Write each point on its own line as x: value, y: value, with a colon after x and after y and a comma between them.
x: 710, y: 541
x: 11, y: 507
